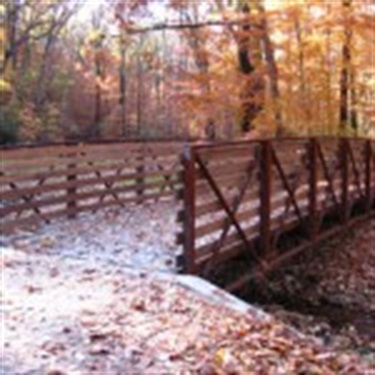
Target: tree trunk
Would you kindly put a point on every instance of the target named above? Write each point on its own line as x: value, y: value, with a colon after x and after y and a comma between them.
x: 11, y: 30
x: 272, y: 71
x: 329, y: 67
x: 13, y: 35
x: 98, y: 99
x: 252, y: 101
x: 55, y: 27
x: 139, y: 95
x: 122, y: 87
x: 302, y: 75
x: 353, y: 104
x: 197, y: 43
x: 345, y: 71
x: 40, y: 87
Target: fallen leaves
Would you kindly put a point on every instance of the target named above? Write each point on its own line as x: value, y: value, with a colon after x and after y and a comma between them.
x: 154, y: 326
x: 92, y: 315
x: 31, y: 289
x: 55, y: 372
x: 336, y: 283
x: 11, y: 257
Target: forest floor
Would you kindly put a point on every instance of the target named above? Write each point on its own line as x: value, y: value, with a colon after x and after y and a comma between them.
x: 78, y: 297
x: 329, y: 293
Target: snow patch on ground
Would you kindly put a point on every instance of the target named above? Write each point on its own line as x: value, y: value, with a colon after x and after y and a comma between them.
x: 133, y: 237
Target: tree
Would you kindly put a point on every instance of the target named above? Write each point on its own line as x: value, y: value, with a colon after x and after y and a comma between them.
x: 272, y: 69
x: 347, y: 114
x: 60, y: 13
x: 218, y: 68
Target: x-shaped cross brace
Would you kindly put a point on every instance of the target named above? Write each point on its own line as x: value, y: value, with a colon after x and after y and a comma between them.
x: 231, y: 212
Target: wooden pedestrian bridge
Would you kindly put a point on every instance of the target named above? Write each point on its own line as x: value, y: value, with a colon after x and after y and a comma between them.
x: 251, y: 205
x: 248, y: 205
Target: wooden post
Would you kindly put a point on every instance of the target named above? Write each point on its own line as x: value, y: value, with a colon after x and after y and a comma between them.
x: 188, y: 161
x: 265, y: 196
x: 313, y: 188
x: 343, y: 155
x: 71, y: 191
x: 368, y: 170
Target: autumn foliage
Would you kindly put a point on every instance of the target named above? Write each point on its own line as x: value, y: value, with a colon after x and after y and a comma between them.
x: 215, y: 69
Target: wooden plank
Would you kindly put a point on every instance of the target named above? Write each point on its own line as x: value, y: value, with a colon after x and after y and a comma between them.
x: 212, y: 206
x: 64, y: 170
x: 217, y: 224
x: 229, y: 182
x: 14, y: 194
x: 36, y: 157
x: 78, y: 197
x: 231, y: 250
x: 146, y: 197
x: 206, y: 249
x: 58, y: 150
x: 132, y: 160
x: 288, y: 223
x: 278, y: 197
x: 282, y: 222
x: 231, y: 152
x: 234, y: 247
x: 234, y: 208
x: 38, y: 152
x: 226, y: 169
x: 230, y: 215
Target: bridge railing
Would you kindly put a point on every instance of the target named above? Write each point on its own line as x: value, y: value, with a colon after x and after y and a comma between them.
x: 39, y: 184
x: 260, y: 200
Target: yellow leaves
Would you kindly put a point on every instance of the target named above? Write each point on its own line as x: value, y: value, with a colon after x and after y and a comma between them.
x: 2, y: 36
x: 222, y: 357
x: 224, y: 361
x: 47, y: 242
x: 5, y: 87
x: 95, y: 36
x: 193, y: 126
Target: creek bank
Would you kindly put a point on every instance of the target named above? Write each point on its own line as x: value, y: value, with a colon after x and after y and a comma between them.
x: 328, y: 293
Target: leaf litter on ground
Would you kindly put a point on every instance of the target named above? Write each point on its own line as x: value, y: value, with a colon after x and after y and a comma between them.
x: 71, y: 309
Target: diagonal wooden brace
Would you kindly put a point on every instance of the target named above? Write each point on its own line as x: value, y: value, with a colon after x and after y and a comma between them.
x: 235, y: 206
x: 249, y: 254
x: 288, y: 188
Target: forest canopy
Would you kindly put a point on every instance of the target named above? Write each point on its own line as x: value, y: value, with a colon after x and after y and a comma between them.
x: 78, y: 70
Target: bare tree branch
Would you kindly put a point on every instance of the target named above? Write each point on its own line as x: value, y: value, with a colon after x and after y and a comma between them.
x: 181, y: 26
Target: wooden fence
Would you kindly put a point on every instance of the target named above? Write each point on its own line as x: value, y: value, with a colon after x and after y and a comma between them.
x: 265, y: 201
x: 39, y: 184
